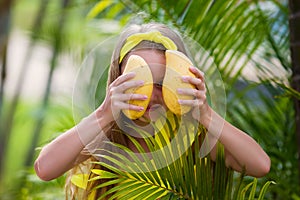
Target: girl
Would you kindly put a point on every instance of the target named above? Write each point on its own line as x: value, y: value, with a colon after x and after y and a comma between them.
x: 148, y: 41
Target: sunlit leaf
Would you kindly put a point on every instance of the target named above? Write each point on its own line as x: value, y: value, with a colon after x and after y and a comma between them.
x: 80, y: 180
x: 242, y: 194
x: 264, y: 189
x: 253, y: 190
x: 99, y: 7
x: 103, y: 173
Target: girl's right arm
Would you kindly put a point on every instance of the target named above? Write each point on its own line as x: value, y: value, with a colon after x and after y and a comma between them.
x: 64, y: 152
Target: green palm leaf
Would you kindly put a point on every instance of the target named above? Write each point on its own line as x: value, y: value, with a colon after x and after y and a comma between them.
x: 151, y: 176
x: 264, y: 189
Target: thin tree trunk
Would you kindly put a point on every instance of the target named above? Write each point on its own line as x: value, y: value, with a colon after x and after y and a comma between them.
x: 5, y: 7
x: 8, y: 120
x: 294, y: 24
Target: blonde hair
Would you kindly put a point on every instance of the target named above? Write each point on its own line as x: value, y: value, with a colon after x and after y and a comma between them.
x: 112, y: 131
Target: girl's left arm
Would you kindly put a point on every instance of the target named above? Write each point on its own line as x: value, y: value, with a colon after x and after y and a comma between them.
x: 242, y: 152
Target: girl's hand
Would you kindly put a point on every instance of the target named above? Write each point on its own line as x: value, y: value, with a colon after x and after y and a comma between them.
x: 116, y: 99
x: 199, y: 102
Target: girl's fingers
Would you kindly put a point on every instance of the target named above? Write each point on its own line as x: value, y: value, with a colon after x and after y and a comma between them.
x: 199, y: 74
x: 193, y: 103
x: 116, y: 99
x: 121, y: 88
x: 119, y: 105
x: 127, y: 85
x: 119, y: 99
x: 127, y: 97
x: 198, y: 80
x: 198, y: 83
x: 197, y: 94
x: 123, y: 78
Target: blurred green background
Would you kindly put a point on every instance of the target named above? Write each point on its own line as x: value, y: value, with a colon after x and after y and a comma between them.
x: 43, y: 44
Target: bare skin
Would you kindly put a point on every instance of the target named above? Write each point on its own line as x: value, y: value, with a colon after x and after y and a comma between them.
x: 64, y: 152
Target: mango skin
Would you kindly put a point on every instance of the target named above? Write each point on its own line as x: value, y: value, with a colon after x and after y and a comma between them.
x: 138, y: 65
x: 177, y: 65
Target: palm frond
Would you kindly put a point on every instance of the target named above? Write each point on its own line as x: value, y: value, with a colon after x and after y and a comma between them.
x: 172, y: 169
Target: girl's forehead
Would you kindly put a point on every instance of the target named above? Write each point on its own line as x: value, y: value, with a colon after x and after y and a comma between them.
x: 155, y: 60
x: 153, y: 57
x: 150, y: 55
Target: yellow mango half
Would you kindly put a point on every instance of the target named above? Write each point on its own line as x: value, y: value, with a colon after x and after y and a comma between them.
x: 177, y: 65
x: 138, y: 65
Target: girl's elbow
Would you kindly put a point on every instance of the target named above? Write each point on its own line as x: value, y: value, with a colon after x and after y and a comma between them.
x: 266, y: 168
x: 263, y: 168
x: 41, y: 172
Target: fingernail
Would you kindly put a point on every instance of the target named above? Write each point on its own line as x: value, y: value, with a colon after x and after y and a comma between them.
x: 145, y: 97
x: 141, y: 108
x: 180, y: 101
x: 140, y: 82
x: 179, y: 90
x: 184, y: 78
x: 131, y: 73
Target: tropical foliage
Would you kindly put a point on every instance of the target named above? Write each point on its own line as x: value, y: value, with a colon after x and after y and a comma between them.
x: 173, y: 169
